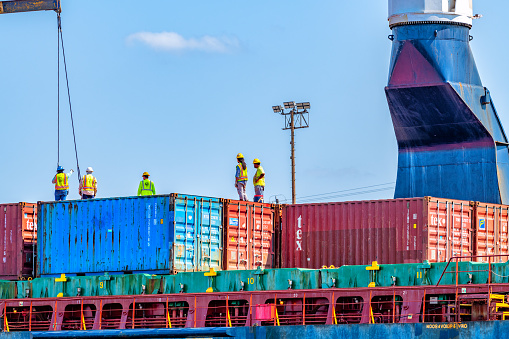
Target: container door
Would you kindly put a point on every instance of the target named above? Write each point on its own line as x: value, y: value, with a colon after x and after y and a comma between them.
x: 209, y: 235
x: 29, y: 229
x: 185, y: 218
x: 484, y: 231
x: 491, y: 231
x: 11, y: 242
x: 262, y: 224
x: 449, y: 230
x: 437, y: 231
x: 502, y: 246
x: 461, y: 231
x: 248, y: 235
x: 237, y: 236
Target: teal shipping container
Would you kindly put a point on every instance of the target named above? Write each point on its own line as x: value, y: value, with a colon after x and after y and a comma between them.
x: 159, y: 234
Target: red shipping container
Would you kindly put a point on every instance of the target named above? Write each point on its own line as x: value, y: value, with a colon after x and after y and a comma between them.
x: 392, y: 231
x: 490, y: 224
x: 248, y: 235
x: 18, y: 238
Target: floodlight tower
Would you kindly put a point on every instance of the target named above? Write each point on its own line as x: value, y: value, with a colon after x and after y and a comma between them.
x: 296, y: 116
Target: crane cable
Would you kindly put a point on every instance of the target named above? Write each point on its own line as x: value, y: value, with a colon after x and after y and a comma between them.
x: 61, y: 40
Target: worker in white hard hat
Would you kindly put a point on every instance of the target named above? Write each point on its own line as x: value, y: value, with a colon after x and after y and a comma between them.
x: 88, y: 185
x: 241, y: 177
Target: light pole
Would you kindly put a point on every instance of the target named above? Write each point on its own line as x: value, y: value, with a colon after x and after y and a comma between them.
x: 296, y: 116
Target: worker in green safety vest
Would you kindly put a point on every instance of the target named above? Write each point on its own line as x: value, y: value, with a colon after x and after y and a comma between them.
x: 146, y: 186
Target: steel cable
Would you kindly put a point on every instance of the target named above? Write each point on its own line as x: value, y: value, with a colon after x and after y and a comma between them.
x: 352, y: 191
x: 68, y: 95
x: 58, y: 91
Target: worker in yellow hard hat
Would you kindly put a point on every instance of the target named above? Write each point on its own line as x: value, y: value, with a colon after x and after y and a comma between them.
x: 146, y: 186
x: 258, y: 181
x: 241, y: 177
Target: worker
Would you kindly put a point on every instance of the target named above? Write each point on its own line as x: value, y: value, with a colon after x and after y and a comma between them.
x: 146, y: 187
x: 88, y: 185
x: 61, y: 181
x: 258, y: 181
x: 241, y: 177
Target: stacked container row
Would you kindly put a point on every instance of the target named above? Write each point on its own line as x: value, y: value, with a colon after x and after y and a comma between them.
x: 392, y: 232
x: 182, y: 233
x: 18, y: 237
x: 160, y: 234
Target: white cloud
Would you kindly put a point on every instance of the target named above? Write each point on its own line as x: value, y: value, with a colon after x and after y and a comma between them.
x: 174, y: 42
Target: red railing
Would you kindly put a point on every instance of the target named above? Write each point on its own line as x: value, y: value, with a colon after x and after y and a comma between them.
x: 423, y: 304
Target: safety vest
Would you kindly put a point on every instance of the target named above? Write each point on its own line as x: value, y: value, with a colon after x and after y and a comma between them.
x: 146, y: 187
x: 243, y: 173
x: 88, y: 182
x: 259, y: 182
x: 61, y: 184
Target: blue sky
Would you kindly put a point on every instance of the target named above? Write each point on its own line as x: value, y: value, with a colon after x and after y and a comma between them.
x: 178, y: 88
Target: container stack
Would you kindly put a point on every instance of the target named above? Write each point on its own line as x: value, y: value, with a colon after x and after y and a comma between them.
x: 392, y: 231
x: 18, y: 238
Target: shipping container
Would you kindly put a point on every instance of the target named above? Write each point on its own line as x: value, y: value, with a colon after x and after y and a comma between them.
x: 18, y: 238
x: 249, y: 235
x: 153, y: 234
x: 490, y: 225
x: 388, y: 231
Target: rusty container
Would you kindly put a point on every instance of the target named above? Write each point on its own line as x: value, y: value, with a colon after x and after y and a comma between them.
x: 491, y: 233
x: 249, y: 235
x: 156, y: 234
x: 18, y: 238
x: 392, y: 231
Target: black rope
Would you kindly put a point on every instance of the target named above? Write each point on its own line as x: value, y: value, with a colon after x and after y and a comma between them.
x: 58, y: 92
x: 69, y: 96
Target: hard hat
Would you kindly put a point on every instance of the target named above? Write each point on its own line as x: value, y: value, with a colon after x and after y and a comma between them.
x: 60, y: 168
x: 90, y: 169
x: 145, y: 174
x: 256, y: 161
x: 240, y: 156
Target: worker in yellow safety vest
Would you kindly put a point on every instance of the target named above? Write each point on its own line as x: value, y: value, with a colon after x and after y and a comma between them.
x: 258, y: 181
x: 61, y: 181
x: 88, y: 185
x: 146, y: 186
x: 241, y: 177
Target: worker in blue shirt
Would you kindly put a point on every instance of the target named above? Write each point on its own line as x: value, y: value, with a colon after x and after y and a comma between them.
x: 61, y: 181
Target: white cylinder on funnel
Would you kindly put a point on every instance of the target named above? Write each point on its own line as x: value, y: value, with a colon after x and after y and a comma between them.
x: 414, y: 11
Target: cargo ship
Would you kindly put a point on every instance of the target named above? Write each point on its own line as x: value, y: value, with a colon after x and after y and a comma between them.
x: 431, y: 262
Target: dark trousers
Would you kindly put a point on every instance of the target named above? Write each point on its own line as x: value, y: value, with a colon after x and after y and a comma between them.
x: 85, y: 196
x: 61, y: 195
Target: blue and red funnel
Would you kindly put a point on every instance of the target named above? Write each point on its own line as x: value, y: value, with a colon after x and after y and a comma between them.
x: 451, y: 142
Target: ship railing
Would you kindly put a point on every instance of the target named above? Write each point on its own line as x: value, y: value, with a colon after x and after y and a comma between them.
x: 426, y: 304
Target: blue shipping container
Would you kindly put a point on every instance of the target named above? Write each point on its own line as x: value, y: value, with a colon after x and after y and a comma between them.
x: 158, y: 234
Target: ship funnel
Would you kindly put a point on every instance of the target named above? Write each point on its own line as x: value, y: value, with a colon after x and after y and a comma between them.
x: 451, y: 143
